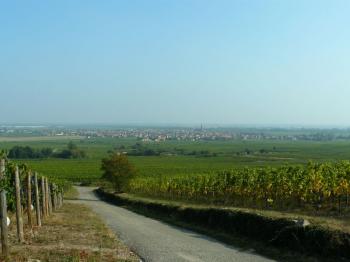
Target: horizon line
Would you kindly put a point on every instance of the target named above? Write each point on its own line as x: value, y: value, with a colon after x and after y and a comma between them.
x: 159, y: 124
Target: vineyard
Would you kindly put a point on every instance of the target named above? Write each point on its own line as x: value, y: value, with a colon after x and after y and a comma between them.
x: 23, y: 191
x: 320, y: 186
x: 281, y: 179
x: 7, y: 183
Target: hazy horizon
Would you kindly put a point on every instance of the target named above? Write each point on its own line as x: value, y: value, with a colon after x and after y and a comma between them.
x: 251, y: 63
x: 174, y: 125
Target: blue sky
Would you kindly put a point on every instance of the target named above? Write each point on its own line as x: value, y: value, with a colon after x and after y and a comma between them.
x: 180, y: 61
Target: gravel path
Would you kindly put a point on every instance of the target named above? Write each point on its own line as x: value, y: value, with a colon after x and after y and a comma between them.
x: 156, y: 241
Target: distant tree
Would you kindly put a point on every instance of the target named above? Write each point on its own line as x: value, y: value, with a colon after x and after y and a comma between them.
x: 46, y: 152
x: 150, y: 152
x: 139, y: 149
x: 192, y: 153
x: 23, y: 152
x: 72, y: 146
x: 72, y: 151
x: 263, y: 151
x: 65, y: 153
x: 118, y: 170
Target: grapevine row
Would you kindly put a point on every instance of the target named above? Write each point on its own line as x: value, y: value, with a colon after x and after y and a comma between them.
x: 22, y: 190
x: 316, y: 185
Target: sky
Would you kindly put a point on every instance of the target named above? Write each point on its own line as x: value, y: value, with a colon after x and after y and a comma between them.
x: 175, y: 61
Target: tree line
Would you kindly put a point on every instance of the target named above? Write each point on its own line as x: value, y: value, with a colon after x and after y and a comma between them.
x: 27, y: 152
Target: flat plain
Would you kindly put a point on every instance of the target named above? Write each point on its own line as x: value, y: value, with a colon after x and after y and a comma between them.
x: 229, y: 154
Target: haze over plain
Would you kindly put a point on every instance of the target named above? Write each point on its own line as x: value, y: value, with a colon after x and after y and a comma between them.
x: 223, y: 62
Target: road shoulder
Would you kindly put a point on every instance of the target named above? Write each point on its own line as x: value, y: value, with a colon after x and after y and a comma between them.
x: 73, y: 233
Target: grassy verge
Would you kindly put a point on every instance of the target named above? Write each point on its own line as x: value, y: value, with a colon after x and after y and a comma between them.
x: 72, y: 193
x: 74, y: 233
x: 269, y: 234
x: 335, y: 222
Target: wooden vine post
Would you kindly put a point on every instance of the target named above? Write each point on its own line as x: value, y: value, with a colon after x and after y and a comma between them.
x: 43, y: 196
x: 19, y: 218
x: 57, y: 202
x: 60, y: 200
x: 47, y: 197
x: 2, y: 168
x: 54, y: 196
x: 37, y: 200
x: 3, y: 213
x: 29, y: 199
x: 50, y: 200
x: 61, y: 195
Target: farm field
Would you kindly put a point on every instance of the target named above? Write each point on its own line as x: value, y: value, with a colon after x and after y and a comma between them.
x: 272, y: 179
x: 259, y: 179
x: 37, y: 138
x: 229, y: 155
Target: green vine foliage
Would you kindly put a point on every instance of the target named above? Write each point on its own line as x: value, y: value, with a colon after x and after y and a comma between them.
x: 320, y: 186
x: 7, y: 183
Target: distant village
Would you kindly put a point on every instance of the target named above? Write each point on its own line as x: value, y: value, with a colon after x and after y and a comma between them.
x: 161, y: 134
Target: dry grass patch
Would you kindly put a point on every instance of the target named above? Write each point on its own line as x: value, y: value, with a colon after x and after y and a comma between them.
x: 72, y: 193
x: 74, y: 233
